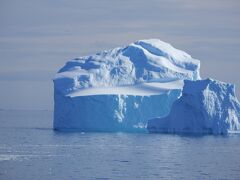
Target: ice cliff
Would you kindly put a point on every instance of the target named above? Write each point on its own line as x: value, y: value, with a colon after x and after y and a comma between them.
x: 120, y: 89
x: 206, y: 106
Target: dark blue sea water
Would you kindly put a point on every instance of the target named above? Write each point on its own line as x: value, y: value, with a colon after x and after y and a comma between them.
x: 30, y: 149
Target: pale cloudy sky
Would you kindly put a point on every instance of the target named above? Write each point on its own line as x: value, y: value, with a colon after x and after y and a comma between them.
x: 38, y: 37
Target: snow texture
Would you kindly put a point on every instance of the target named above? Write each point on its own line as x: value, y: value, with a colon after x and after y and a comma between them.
x: 206, y: 106
x: 120, y: 89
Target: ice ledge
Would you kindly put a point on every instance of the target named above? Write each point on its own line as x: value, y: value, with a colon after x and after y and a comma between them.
x: 143, y: 89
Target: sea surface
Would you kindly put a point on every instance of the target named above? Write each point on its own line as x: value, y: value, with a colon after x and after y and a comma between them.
x: 30, y: 149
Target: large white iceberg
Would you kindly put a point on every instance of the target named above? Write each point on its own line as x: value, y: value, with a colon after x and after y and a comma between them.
x: 206, y: 106
x: 120, y: 89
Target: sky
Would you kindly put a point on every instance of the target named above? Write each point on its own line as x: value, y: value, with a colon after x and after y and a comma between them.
x: 38, y: 37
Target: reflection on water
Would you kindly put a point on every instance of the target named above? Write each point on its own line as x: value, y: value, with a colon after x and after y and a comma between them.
x: 29, y: 149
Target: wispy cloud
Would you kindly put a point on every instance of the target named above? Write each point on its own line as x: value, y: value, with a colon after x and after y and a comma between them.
x: 37, y: 37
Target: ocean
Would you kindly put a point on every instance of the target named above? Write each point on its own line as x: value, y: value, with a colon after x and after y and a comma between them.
x: 31, y: 149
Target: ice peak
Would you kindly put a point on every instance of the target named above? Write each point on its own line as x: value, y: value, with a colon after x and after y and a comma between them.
x: 200, y: 85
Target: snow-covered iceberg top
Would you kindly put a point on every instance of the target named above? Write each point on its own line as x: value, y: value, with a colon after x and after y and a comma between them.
x: 145, y: 61
x: 206, y: 106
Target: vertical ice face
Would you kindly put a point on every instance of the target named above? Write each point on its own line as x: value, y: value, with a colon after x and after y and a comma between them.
x: 206, y: 106
x: 121, y: 88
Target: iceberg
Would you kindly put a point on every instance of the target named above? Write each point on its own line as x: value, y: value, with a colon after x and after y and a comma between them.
x: 205, y: 106
x: 120, y: 89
